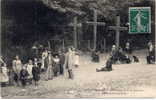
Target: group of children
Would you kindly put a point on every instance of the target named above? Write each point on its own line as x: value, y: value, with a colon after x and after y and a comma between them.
x: 25, y: 73
x: 49, y: 65
x: 20, y: 74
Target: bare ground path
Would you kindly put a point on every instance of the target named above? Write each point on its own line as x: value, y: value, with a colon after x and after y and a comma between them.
x: 126, y: 80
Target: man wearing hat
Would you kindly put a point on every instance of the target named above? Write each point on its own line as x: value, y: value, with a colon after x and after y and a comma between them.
x: 69, y: 63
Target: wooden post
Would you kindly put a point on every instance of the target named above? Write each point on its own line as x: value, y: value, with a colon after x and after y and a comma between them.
x: 95, y: 29
x: 118, y: 32
x: 89, y: 44
x: 49, y: 45
x: 104, y: 45
x: 75, y: 32
x: 63, y: 45
x: 0, y: 36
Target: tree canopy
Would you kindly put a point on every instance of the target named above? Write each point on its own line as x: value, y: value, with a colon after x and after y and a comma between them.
x: 107, y: 8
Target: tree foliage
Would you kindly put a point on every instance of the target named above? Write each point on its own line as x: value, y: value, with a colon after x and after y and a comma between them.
x: 107, y: 8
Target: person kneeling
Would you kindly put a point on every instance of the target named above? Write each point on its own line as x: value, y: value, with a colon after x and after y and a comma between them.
x: 107, y: 68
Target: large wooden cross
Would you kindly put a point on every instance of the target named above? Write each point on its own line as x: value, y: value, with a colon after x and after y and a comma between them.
x: 117, y: 28
x: 95, y: 23
x: 75, y: 25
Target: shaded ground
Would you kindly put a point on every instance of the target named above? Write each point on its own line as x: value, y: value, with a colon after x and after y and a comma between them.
x: 126, y: 80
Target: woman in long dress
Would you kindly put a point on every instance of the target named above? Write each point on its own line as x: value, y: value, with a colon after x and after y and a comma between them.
x: 44, y: 57
x: 49, y: 73
x: 3, y: 73
x: 17, y: 66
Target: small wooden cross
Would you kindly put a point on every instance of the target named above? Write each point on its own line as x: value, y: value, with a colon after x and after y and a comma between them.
x: 118, y: 28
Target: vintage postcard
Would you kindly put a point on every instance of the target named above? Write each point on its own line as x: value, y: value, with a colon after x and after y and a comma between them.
x: 76, y: 49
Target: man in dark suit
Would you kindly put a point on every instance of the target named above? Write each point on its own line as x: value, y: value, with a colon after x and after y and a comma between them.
x: 62, y: 60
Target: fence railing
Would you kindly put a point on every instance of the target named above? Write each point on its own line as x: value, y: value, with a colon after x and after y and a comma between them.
x: 56, y: 44
x: 84, y: 45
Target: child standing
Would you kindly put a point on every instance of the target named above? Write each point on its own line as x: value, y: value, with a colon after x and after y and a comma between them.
x: 36, y: 72
x: 29, y: 69
x: 56, y: 65
x: 23, y: 76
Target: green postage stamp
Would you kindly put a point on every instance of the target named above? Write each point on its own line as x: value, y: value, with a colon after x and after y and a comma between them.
x: 139, y: 20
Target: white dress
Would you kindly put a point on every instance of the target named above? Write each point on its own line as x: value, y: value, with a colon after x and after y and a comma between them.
x: 44, y: 56
x: 127, y: 46
x: 17, y: 66
x: 76, y: 60
x: 57, y: 60
x: 29, y: 69
x: 50, y: 69
x: 151, y: 48
x: 3, y: 75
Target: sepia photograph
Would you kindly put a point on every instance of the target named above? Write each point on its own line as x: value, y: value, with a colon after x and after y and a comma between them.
x: 77, y: 49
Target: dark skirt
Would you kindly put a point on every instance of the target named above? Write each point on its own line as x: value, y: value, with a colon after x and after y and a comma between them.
x: 16, y: 77
x: 36, y: 77
x: 56, y: 69
x: 61, y: 69
x: 36, y: 73
x: 23, y: 82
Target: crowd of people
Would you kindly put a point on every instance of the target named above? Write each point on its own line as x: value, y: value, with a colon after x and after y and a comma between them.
x: 54, y: 64
x: 125, y: 56
x: 50, y: 65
